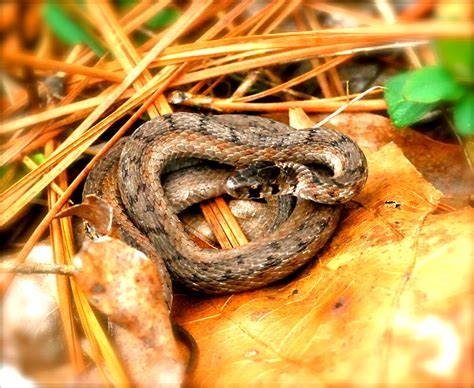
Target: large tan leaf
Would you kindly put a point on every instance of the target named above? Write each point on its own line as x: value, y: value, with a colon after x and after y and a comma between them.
x: 385, y: 302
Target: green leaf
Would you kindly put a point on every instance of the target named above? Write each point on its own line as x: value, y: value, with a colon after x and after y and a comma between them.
x: 464, y: 115
x: 402, y: 112
x: 163, y: 18
x: 457, y: 56
x: 38, y: 158
x: 67, y: 29
x: 431, y: 84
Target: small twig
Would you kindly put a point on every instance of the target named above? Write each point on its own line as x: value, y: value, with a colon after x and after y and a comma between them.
x: 362, y: 95
x: 37, y: 268
x: 312, y: 105
x: 397, y: 45
x: 247, y: 83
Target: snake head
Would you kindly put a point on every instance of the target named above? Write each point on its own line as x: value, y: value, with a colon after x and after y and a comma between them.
x: 258, y: 180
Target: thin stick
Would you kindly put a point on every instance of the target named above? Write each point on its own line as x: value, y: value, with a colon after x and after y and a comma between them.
x: 362, y: 95
x: 30, y: 268
x: 224, y: 105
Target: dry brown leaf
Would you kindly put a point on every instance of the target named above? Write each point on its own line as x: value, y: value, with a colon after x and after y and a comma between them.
x: 94, y: 210
x: 124, y: 284
x: 357, y: 314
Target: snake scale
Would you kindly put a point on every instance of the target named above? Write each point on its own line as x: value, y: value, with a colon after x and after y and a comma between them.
x: 269, y: 157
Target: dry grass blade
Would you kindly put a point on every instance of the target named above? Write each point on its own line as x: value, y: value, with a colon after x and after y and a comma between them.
x: 288, y: 8
x: 142, y: 12
x: 297, y: 80
x: 348, y: 104
x: 223, y: 223
x: 277, y: 20
x: 231, y: 58
x: 119, y: 44
x: 225, y: 239
x: 267, y: 60
x: 29, y: 163
x: 102, y: 351
x: 388, y: 14
x: 62, y: 255
x: 226, y: 20
x: 235, y: 228
x: 353, y: 37
x: 253, y: 20
x: 19, y: 58
x: 262, y: 17
x: 36, y: 138
x: 30, y: 268
x: 275, y: 41
x: 330, y: 83
x: 298, y: 119
x: 19, y: 194
x: 50, y: 114
x: 206, y: 49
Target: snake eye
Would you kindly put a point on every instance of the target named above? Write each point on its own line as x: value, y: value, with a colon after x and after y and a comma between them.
x: 255, y: 191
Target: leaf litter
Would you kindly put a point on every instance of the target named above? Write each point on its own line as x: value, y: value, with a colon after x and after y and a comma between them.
x: 387, y: 300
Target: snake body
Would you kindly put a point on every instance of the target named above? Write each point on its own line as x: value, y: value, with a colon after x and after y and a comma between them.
x: 129, y: 178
